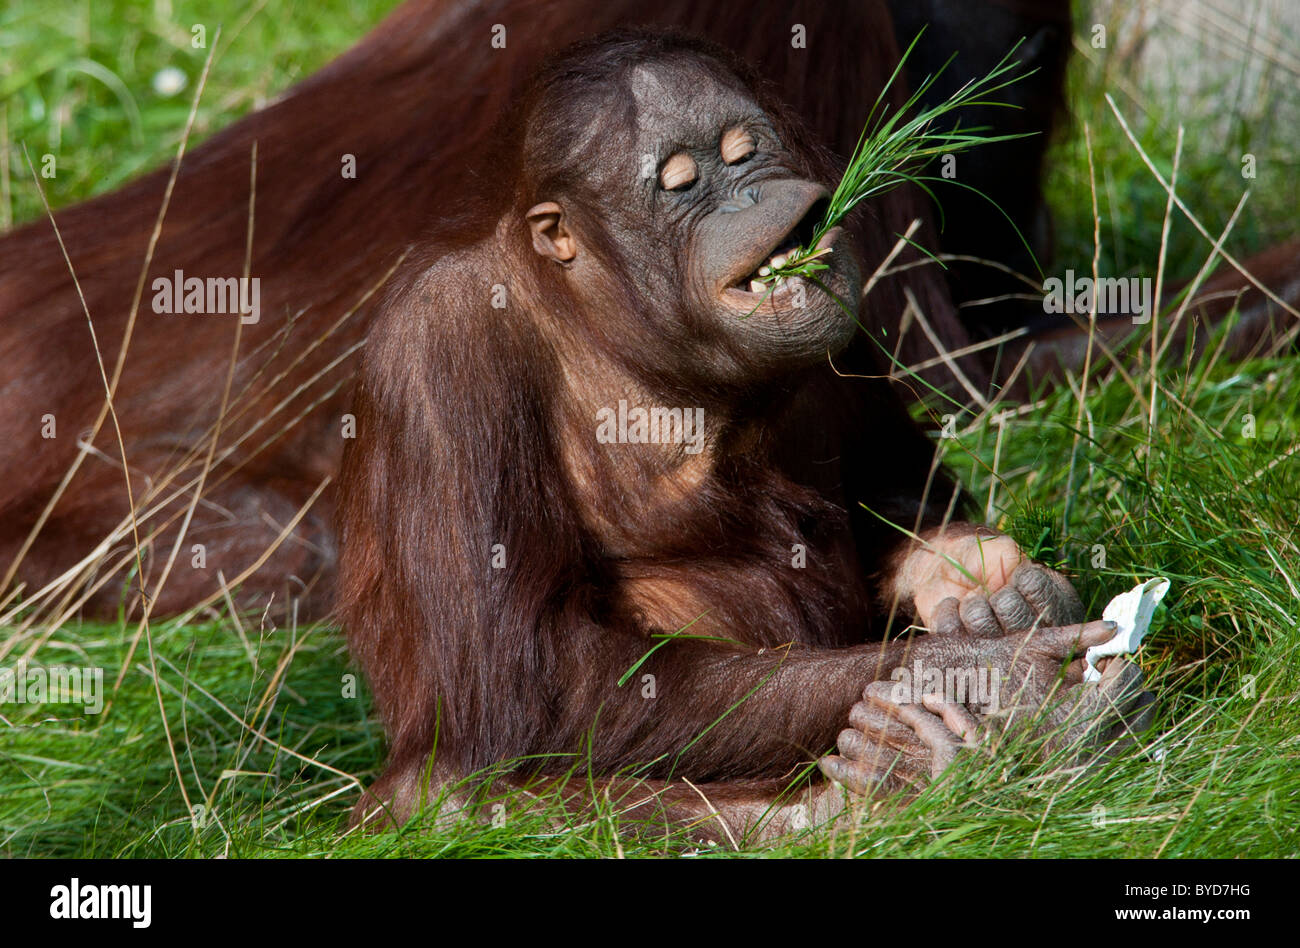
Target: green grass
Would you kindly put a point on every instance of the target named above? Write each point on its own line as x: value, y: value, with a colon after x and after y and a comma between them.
x: 894, y: 148
x: 1193, y: 499
x: 76, y: 80
x: 1224, y: 120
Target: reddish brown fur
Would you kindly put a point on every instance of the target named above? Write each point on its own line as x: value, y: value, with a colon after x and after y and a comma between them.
x: 475, y: 429
x: 322, y: 241
x: 412, y: 102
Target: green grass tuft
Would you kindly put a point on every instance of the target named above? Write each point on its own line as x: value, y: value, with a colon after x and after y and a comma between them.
x: 894, y: 148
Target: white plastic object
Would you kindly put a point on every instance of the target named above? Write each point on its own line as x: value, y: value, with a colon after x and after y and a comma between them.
x: 1131, y: 612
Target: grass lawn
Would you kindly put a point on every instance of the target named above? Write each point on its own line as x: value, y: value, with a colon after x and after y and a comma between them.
x: 267, y: 727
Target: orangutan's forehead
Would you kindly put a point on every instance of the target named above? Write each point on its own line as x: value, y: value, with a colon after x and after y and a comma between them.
x: 685, y: 101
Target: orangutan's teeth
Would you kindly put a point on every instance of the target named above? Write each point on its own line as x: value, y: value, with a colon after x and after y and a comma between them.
x: 778, y: 260
x: 764, y: 271
x: 757, y: 286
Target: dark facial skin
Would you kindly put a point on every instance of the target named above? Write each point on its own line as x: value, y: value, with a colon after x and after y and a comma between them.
x: 704, y: 182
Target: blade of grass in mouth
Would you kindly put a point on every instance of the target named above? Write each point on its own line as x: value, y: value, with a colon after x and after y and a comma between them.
x: 894, y: 149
